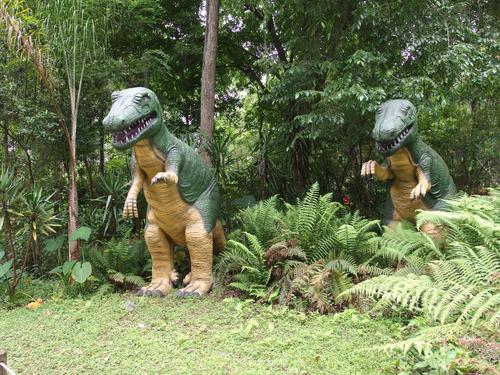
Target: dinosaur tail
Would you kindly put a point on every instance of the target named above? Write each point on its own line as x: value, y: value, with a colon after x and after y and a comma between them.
x: 219, y: 237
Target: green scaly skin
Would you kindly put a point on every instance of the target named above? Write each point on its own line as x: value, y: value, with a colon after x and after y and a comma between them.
x: 396, y: 128
x: 196, y: 183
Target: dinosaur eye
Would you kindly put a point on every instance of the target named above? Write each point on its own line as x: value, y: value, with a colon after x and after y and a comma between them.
x: 406, y: 110
x: 115, y: 95
x: 141, y: 98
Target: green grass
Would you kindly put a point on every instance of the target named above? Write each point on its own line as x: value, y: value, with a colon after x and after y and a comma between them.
x: 189, y: 336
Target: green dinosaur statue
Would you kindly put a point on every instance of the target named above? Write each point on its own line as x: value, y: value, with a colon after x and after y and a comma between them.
x: 417, y: 176
x: 182, y: 194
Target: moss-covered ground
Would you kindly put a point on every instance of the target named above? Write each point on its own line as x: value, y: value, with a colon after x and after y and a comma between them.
x: 124, y: 334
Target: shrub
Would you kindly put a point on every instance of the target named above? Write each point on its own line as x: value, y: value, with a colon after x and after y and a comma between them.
x: 311, y: 250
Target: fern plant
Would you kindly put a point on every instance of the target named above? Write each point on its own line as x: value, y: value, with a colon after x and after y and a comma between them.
x: 339, y: 257
x: 261, y: 220
x: 311, y: 249
x: 461, y: 289
x: 247, y: 262
x: 121, y: 264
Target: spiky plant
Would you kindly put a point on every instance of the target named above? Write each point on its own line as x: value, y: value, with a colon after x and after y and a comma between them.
x: 37, y: 219
x: 113, y: 188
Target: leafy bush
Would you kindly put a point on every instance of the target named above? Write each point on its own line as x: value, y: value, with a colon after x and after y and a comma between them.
x: 311, y: 250
x: 120, y: 263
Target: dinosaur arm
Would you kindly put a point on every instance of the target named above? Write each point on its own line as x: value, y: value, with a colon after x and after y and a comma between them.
x: 137, y: 181
x: 172, y: 163
x: 381, y: 172
x: 130, y: 207
x: 423, y: 177
x: 173, y: 160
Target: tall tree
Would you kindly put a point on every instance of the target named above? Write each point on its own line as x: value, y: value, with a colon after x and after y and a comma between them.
x: 69, y: 44
x: 208, y: 77
x: 72, y: 31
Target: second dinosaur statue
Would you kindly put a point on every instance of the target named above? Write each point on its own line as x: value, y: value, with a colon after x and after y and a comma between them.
x: 417, y: 176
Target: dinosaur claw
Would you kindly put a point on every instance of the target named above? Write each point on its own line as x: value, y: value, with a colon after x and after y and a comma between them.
x: 159, y: 293
x: 187, y: 294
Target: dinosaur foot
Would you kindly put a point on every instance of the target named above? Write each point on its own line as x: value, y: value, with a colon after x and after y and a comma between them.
x: 196, y: 288
x: 160, y: 287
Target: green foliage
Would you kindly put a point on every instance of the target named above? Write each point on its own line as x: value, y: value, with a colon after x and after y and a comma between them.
x: 248, y: 261
x: 261, y: 220
x: 121, y: 264
x: 38, y: 214
x: 312, y: 249
x: 446, y: 359
x: 114, y: 189
x: 73, y: 271
x: 10, y: 193
x: 459, y: 291
x: 5, y: 267
x: 81, y: 233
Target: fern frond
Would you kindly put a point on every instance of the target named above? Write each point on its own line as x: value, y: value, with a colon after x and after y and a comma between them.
x: 308, y: 212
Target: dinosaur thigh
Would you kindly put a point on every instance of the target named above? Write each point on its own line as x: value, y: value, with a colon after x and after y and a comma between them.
x: 208, y: 206
x: 404, y: 207
x: 169, y: 210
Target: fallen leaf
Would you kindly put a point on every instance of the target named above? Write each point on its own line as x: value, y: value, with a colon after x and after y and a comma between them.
x: 35, y: 304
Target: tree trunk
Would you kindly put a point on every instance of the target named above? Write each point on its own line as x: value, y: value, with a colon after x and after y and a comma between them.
x: 30, y: 166
x: 73, y: 246
x: 208, y: 78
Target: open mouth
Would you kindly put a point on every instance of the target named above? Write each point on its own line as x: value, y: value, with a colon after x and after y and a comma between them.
x: 138, y: 127
x: 396, y: 142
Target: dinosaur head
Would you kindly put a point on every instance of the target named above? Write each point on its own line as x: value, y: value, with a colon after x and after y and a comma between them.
x: 134, y: 115
x: 395, y: 126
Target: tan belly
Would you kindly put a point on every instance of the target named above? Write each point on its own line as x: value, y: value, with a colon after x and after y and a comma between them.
x: 405, y: 179
x: 167, y: 208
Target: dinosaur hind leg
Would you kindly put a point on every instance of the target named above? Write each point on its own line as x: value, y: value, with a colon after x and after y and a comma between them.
x: 219, y: 242
x: 219, y: 237
x: 161, y: 250
x: 200, y: 246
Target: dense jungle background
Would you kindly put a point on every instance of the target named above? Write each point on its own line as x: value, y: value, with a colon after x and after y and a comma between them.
x: 297, y: 85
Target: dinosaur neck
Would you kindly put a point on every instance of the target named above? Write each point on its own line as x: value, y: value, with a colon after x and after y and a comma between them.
x: 162, y: 138
x: 416, y: 147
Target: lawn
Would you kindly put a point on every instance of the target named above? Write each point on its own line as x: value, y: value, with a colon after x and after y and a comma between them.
x: 124, y: 334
